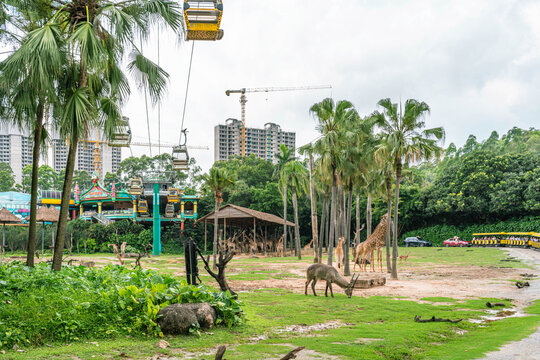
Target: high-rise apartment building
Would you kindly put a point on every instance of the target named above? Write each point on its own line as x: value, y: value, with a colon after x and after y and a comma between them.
x: 264, y: 143
x: 16, y: 149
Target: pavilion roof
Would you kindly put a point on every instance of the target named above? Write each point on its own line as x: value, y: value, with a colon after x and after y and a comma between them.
x: 239, y: 216
x: 7, y: 217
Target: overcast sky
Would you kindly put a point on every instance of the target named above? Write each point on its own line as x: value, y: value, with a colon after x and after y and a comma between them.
x: 476, y: 63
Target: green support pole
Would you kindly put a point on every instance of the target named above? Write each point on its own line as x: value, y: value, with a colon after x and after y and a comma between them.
x: 156, y: 232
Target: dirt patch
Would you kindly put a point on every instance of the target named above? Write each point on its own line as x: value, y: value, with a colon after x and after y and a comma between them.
x: 306, y: 329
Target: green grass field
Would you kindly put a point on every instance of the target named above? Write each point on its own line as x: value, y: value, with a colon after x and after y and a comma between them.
x: 364, y: 327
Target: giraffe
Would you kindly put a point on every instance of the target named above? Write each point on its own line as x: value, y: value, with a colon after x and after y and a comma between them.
x: 308, y: 246
x: 374, y: 242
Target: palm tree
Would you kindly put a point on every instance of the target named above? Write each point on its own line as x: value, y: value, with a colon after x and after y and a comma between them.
x: 331, y: 118
x: 92, y: 86
x: 296, y: 174
x: 405, y: 140
x: 308, y: 149
x: 217, y: 180
x: 284, y: 156
x: 27, y: 81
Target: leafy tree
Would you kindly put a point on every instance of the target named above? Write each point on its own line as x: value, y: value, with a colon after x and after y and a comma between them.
x: 7, y: 178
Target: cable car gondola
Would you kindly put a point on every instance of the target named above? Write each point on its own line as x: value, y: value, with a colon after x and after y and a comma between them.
x: 135, y: 186
x: 173, y: 195
x: 169, y: 210
x: 203, y: 19
x: 180, y: 157
x: 122, y: 134
x: 143, y: 207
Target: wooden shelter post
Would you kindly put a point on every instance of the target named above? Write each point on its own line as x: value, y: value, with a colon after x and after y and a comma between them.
x: 224, y: 228
x: 205, y: 236
x: 254, y: 231
x: 265, y: 238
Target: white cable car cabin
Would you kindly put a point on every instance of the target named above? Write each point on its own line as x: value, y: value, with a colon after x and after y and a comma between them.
x: 135, y: 186
x: 143, y: 207
x: 122, y: 134
x: 180, y: 158
x: 169, y: 210
x: 203, y: 19
x: 173, y: 195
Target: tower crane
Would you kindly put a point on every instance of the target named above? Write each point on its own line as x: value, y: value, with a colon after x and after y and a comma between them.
x: 243, y: 101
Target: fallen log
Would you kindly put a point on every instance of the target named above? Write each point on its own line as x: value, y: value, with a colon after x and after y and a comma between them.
x: 220, y: 352
x: 521, y: 284
x: 417, y: 318
x: 490, y: 305
x: 292, y: 353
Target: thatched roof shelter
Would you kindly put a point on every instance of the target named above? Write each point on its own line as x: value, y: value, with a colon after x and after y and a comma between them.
x: 46, y: 214
x: 7, y: 217
x: 238, y: 216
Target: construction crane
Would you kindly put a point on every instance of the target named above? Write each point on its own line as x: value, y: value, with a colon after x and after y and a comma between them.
x: 243, y: 101
x: 168, y: 145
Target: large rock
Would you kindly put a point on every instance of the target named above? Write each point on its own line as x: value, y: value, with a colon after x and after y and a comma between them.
x: 178, y: 318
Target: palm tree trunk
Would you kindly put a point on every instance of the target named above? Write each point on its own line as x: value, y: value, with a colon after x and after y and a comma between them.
x: 324, y: 222
x: 388, y: 222
x: 396, y: 207
x: 347, y: 268
x: 31, y: 248
x: 357, y: 240
x: 369, y: 214
x: 284, y: 219
x: 332, y: 223
x: 216, y: 229
x: 314, y: 225
x: 64, y: 207
x: 296, y: 227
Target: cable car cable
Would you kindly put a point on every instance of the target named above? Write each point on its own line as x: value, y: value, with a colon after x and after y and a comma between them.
x: 187, y: 90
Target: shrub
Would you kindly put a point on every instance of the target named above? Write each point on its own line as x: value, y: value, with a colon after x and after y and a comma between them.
x: 43, y: 306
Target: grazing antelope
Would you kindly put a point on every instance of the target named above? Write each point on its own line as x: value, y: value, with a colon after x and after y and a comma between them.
x: 331, y: 276
x: 338, y: 253
x: 403, y: 257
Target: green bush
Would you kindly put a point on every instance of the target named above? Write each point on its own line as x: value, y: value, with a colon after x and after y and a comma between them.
x: 41, y: 306
x: 438, y: 233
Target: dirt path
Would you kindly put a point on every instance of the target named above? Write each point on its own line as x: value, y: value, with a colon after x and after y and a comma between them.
x: 526, y: 349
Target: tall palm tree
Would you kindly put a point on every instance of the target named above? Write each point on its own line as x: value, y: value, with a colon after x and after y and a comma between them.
x: 308, y: 150
x: 217, y: 180
x: 284, y: 156
x: 27, y: 81
x: 406, y: 140
x: 297, y: 176
x: 331, y: 118
x: 93, y: 87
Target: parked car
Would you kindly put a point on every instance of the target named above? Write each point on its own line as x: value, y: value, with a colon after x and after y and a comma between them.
x: 416, y: 241
x: 456, y: 242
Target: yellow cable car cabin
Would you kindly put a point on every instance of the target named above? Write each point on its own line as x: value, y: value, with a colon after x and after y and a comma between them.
x: 173, y: 195
x: 180, y: 158
x: 143, y: 207
x: 122, y: 134
x: 135, y: 186
x: 203, y: 19
x: 169, y: 210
